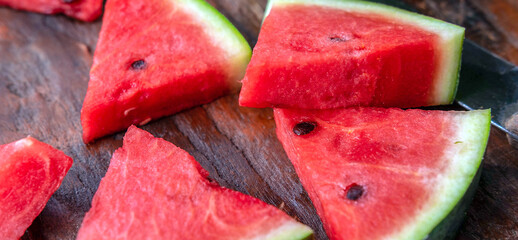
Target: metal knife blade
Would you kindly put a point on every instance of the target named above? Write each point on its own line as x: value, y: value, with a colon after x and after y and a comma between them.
x: 486, y: 81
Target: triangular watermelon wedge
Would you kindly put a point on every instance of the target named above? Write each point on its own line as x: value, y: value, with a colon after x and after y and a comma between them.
x: 321, y: 54
x: 85, y: 10
x: 386, y: 173
x: 155, y: 190
x: 157, y: 57
x: 30, y: 172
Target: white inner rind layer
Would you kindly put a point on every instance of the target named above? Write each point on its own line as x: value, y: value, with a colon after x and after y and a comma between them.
x: 223, y: 34
x: 463, y: 157
x: 23, y: 143
x: 450, y: 42
x: 290, y: 230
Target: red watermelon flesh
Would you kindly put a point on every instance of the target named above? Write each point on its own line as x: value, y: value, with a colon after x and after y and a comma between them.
x: 157, y: 57
x: 331, y: 54
x: 383, y: 173
x: 30, y: 172
x: 85, y: 10
x: 155, y: 190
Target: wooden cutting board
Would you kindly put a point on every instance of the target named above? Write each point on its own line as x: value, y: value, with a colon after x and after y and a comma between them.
x: 44, y: 65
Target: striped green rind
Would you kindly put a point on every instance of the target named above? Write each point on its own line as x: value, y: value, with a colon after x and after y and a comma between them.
x: 223, y: 34
x: 451, y: 38
x: 291, y: 230
x: 464, y: 156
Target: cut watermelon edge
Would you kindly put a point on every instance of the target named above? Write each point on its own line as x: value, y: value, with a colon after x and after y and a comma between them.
x: 288, y: 228
x: 30, y: 148
x: 225, y: 35
x: 468, y: 149
x: 441, y: 216
x: 83, y: 12
x: 451, y: 38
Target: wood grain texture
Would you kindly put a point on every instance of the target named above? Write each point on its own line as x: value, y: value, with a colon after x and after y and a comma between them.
x: 44, y: 68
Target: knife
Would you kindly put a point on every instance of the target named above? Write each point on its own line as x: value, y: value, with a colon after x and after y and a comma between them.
x: 486, y: 81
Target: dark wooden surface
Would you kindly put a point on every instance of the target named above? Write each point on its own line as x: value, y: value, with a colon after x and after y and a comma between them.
x: 44, y: 64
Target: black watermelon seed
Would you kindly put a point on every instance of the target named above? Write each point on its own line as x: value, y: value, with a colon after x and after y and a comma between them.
x: 68, y: 1
x: 138, y: 65
x: 338, y: 39
x: 354, y: 192
x: 304, y: 128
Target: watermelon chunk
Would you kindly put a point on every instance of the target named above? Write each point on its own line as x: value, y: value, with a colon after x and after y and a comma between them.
x: 85, y: 10
x: 155, y: 190
x: 30, y: 172
x: 386, y: 173
x: 330, y: 54
x: 158, y: 57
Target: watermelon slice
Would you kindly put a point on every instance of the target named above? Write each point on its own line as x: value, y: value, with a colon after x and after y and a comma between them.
x: 330, y: 53
x: 30, y: 172
x: 85, y: 10
x: 157, y: 57
x: 386, y: 173
x: 155, y: 190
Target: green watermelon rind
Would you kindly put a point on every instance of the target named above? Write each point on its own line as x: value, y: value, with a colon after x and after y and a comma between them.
x: 447, y: 229
x: 224, y: 35
x: 290, y: 230
x: 465, y: 154
x: 451, y: 37
x: 452, y: 189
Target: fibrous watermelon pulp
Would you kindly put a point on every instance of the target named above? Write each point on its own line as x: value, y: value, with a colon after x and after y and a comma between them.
x: 30, y: 172
x: 329, y: 53
x: 155, y: 190
x: 384, y: 173
x: 85, y: 10
x: 158, y: 57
